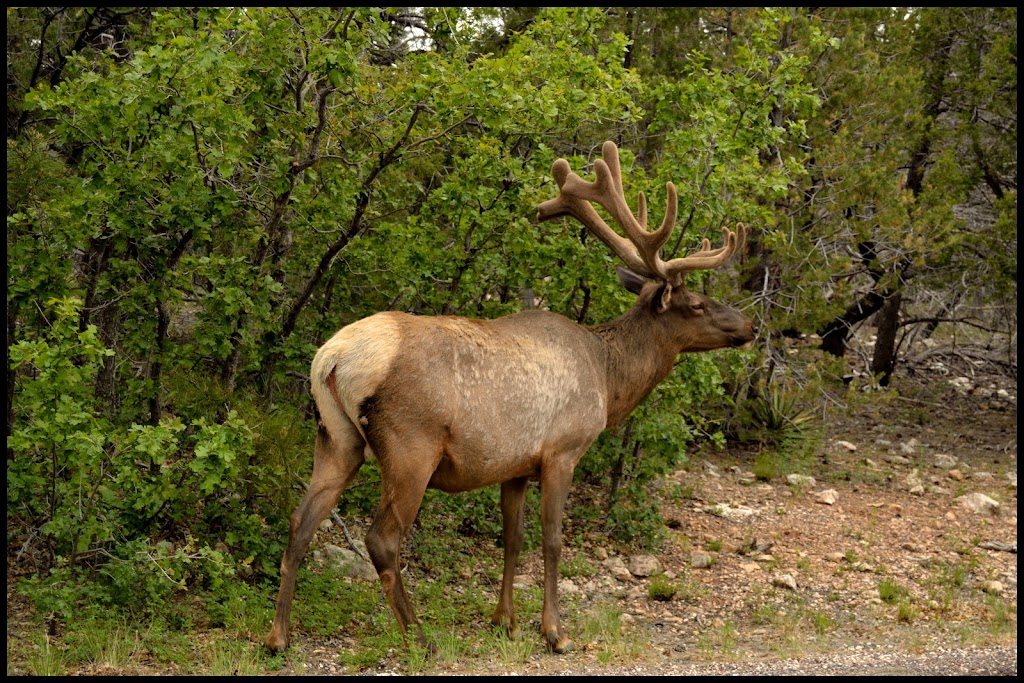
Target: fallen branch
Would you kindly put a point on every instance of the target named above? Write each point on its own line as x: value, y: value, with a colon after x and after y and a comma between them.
x: 967, y: 354
x: 996, y: 545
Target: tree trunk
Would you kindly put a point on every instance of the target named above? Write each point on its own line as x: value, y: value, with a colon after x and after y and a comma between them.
x: 884, y: 359
x: 836, y: 333
x: 627, y: 437
x: 156, y: 365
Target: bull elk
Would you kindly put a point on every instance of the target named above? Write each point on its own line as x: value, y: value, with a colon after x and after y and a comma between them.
x: 457, y: 404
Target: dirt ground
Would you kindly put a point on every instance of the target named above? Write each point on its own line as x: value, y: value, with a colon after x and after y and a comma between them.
x: 889, y: 572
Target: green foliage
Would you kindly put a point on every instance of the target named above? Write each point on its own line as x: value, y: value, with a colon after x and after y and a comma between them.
x: 777, y: 418
x: 577, y: 566
x: 635, y: 519
x: 92, y: 489
x: 61, y: 452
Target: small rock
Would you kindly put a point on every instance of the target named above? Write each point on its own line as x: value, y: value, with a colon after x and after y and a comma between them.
x: 909, y: 447
x: 644, y: 565
x: 800, y: 480
x: 828, y: 496
x: 993, y: 587
x: 944, y: 461
x: 346, y: 561
x: 956, y: 475
x: 568, y: 587
x: 750, y: 566
x: 600, y: 553
x: 847, y: 445
x: 701, y: 560
x: 735, y: 514
x: 897, y: 460
x: 835, y: 557
x: 784, y: 581
x: 616, y: 566
x: 977, y: 502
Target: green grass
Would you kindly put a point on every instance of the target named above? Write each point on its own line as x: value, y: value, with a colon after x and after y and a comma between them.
x: 230, y: 657
x: 46, y: 659
x: 1001, y: 616
x: 891, y: 592
x: 662, y: 589
x: 906, y: 612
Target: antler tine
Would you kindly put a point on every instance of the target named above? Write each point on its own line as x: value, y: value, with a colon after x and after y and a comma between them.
x: 640, y: 248
x: 647, y: 243
x: 574, y: 199
x: 707, y: 258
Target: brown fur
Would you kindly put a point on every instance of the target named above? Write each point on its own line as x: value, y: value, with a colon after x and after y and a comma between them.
x: 458, y: 404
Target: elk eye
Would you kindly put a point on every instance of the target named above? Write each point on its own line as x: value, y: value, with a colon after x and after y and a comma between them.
x: 697, y: 307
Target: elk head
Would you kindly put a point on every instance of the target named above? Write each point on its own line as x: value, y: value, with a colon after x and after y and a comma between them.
x: 702, y: 323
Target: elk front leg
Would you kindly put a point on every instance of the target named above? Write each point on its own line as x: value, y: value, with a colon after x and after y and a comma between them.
x: 335, y: 463
x: 513, y: 500
x: 555, y: 479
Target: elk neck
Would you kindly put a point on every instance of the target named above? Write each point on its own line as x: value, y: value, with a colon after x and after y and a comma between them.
x: 641, y: 351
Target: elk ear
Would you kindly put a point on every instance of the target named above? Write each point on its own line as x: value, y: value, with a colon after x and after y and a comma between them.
x: 630, y: 280
x: 665, y: 301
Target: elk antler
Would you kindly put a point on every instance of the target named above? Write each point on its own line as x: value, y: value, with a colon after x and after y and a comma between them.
x: 639, y: 249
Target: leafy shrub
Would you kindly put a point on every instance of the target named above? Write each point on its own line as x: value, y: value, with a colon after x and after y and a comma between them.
x: 107, y: 497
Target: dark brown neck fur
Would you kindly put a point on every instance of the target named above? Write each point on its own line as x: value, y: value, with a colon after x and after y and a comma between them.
x: 641, y: 352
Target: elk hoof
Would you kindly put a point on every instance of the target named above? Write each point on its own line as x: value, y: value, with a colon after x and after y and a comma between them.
x: 560, y: 644
x: 507, y: 628
x: 276, y: 644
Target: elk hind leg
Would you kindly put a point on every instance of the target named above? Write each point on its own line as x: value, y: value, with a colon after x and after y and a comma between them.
x: 336, y: 460
x: 513, y: 500
x: 401, y: 495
